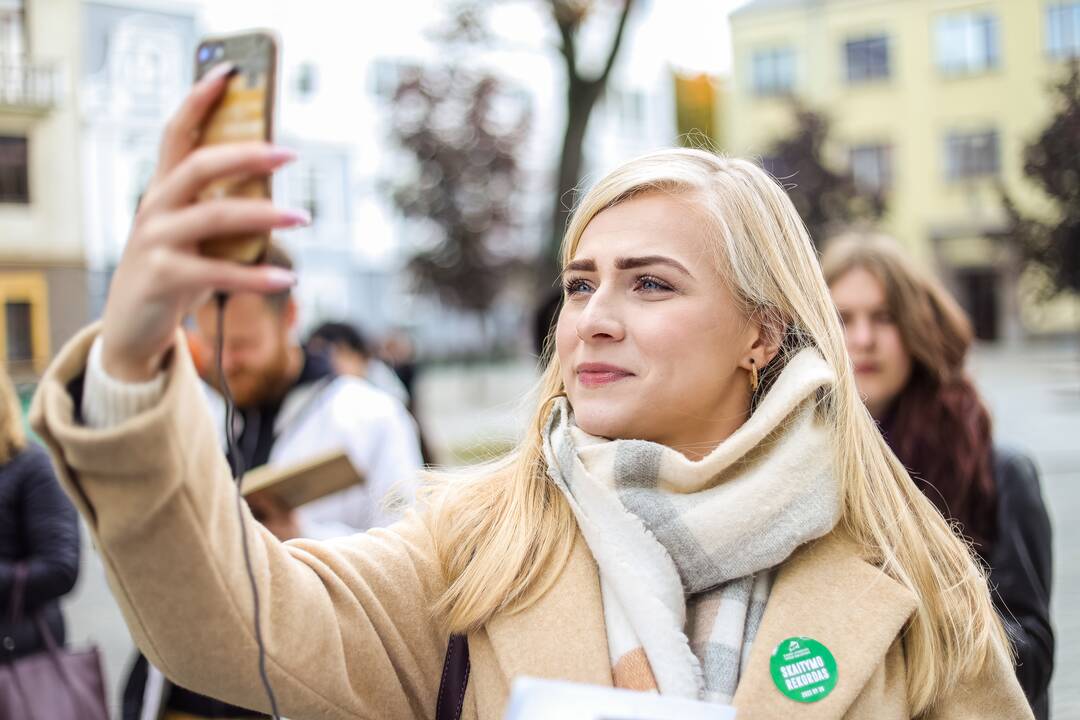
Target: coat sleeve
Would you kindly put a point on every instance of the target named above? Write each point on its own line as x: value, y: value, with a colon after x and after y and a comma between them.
x: 1020, y: 572
x: 346, y: 624
x: 52, y: 533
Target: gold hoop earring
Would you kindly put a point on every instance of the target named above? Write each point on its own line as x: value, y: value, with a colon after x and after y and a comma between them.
x: 754, y: 380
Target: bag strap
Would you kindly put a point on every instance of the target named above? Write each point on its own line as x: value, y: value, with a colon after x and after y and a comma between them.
x: 455, y: 679
x: 18, y: 592
x: 18, y: 608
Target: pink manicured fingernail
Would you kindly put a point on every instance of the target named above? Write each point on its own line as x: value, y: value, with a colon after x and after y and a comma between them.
x: 295, y: 218
x: 218, y: 72
x: 280, y: 277
x: 280, y: 155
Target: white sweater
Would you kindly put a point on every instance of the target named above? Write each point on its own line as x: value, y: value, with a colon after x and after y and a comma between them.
x: 371, y: 427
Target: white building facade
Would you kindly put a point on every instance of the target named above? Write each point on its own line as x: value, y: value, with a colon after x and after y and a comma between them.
x: 42, y: 268
x: 338, y: 65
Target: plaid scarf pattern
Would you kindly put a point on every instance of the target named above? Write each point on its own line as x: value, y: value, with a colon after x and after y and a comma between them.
x: 686, y: 549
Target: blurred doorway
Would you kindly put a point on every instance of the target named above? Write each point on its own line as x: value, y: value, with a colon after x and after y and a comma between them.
x: 980, y: 294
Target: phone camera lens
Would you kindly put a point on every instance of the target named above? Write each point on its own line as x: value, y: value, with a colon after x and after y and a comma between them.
x: 204, y: 54
x: 218, y: 51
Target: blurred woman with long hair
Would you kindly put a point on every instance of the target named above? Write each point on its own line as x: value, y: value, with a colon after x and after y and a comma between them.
x: 39, y: 535
x: 700, y: 506
x: 909, y: 340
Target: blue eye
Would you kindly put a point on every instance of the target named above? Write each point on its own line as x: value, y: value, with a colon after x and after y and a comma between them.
x: 651, y: 284
x: 573, y: 286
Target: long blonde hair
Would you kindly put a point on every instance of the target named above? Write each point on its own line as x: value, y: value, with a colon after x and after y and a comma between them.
x: 12, y: 436
x: 503, y: 530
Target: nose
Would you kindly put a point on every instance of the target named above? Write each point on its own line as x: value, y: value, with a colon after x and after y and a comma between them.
x: 601, y: 319
x: 860, y: 333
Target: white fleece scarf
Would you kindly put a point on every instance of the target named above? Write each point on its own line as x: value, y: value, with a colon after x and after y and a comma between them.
x: 675, y: 538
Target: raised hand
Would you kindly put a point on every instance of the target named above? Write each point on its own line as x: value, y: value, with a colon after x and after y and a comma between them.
x: 161, y: 274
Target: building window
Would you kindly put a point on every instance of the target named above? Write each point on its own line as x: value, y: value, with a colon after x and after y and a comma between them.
x: 24, y: 324
x: 971, y: 155
x: 1063, y: 30
x: 306, y: 80
x: 306, y: 190
x: 629, y: 107
x: 12, y: 31
x: 871, y: 168
x: 867, y: 59
x: 20, y: 339
x: 14, y: 170
x: 966, y: 43
x: 773, y: 71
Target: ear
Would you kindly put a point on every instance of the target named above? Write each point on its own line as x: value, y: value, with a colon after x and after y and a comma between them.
x: 763, y: 342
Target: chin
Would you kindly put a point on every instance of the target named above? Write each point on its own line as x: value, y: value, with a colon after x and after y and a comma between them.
x: 601, y: 421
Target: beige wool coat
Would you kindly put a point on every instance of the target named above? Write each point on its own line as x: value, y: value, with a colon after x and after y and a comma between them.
x: 347, y: 623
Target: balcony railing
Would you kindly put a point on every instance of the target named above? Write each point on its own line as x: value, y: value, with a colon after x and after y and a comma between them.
x: 28, y: 87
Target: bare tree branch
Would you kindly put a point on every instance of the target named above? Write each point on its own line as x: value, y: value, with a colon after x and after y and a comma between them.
x: 619, y: 32
x: 568, y: 47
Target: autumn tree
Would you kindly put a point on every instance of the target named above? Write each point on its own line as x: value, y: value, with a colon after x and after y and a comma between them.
x: 827, y: 198
x: 1051, y: 243
x: 462, y: 132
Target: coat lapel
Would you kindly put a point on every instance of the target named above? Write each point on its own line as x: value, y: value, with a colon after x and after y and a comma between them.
x: 825, y: 591
x: 561, y: 635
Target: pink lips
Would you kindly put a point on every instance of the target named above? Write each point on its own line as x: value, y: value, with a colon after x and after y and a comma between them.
x: 599, y: 374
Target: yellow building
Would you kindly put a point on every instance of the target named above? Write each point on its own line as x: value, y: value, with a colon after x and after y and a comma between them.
x: 43, y: 280
x: 932, y: 101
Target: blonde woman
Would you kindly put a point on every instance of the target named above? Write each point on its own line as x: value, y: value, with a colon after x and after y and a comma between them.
x: 700, y: 498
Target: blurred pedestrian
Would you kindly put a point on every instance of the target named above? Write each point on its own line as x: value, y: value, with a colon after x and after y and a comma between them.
x: 351, y: 353
x: 699, y: 506
x: 399, y: 352
x: 291, y: 406
x: 909, y: 340
x: 39, y: 529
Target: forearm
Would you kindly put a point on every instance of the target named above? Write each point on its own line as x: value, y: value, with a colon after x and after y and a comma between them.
x: 160, y: 502
x: 45, y: 581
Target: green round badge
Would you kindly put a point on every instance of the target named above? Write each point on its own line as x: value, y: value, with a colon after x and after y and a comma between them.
x: 803, y: 669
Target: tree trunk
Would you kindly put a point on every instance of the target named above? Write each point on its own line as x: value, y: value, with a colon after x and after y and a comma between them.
x: 581, y: 97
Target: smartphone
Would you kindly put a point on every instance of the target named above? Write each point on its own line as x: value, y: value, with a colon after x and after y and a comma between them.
x: 244, y: 113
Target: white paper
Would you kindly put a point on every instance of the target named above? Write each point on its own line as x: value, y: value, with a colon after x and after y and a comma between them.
x: 535, y: 699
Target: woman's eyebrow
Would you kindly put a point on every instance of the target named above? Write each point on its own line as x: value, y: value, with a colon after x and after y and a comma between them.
x: 585, y: 265
x: 629, y: 263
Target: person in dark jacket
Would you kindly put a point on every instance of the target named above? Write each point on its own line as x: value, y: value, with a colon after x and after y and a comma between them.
x: 39, y: 528
x: 908, y: 340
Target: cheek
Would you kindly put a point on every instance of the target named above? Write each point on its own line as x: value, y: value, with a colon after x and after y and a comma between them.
x: 895, y: 356
x: 695, y: 350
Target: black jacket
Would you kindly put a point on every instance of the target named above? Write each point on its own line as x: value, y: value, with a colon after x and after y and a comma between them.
x: 1020, y: 573
x: 38, y: 527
